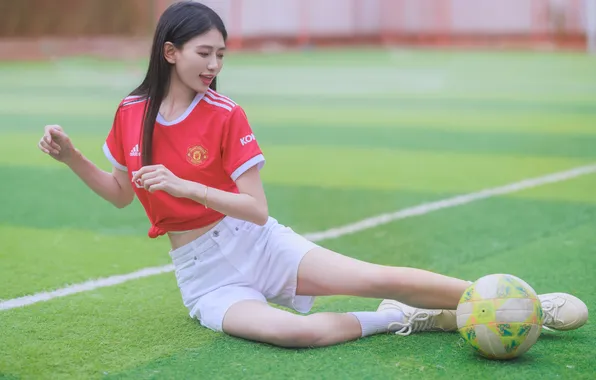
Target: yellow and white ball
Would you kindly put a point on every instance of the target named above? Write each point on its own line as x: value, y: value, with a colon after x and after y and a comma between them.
x: 500, y: 316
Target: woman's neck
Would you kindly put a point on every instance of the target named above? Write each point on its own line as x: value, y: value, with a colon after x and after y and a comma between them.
x: 177, y: 100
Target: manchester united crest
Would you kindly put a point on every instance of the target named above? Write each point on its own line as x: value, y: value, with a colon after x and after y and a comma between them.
x: 196, y: 155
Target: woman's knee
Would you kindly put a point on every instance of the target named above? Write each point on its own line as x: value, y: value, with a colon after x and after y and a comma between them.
x: 385, y: 280
x: 299, y: 334
x: 289, y: 330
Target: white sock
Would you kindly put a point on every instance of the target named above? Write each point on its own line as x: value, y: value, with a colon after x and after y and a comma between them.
x: 375, y: 322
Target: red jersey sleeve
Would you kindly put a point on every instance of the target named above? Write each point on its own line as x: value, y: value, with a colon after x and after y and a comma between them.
x: 112, y: 147
x: 240, y: 150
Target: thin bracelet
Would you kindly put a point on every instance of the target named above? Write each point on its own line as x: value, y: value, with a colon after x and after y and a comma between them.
x: 205, y: 203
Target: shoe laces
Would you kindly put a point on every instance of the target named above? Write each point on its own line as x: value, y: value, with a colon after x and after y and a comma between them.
x: 418, y: 321
x: 551, y: 313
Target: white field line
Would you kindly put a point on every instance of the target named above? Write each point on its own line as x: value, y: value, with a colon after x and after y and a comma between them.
x: 318, y: 236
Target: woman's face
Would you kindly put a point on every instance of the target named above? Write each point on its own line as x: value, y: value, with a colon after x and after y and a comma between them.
x: 199, y: 60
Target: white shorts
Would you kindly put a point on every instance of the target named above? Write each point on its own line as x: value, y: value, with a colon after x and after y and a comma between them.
x: 236, y: 261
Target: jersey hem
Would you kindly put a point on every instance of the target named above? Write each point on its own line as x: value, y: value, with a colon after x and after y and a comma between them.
x: 110, y: 157
x: 258, y: 160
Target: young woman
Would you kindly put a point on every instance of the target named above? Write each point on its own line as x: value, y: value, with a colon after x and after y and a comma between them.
x: 191, y: 158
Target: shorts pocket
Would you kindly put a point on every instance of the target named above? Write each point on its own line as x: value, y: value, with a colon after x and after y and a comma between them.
x: 184, y: 271
x: 242, y: 252
x: 189, y: 269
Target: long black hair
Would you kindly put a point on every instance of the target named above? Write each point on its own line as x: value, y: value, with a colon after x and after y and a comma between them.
x: 180, y: 22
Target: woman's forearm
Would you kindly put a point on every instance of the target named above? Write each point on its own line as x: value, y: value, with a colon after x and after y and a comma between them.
x: 239, y: 206
x: 101, y: 182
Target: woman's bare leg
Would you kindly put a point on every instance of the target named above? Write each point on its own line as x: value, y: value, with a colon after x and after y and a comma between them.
x: 258, y: 321
x: 324, y: 272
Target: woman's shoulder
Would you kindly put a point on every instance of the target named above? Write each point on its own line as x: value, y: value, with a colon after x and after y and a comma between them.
x: 132, y: 100
x: 129, y: 111
x: 219, y: 102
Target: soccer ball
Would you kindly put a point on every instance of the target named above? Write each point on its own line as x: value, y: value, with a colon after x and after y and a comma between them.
x: 500, y: 316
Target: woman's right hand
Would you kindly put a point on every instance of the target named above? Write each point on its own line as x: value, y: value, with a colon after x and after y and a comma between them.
x: 56, y: 144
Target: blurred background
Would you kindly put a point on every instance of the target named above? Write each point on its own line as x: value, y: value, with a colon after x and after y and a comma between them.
x: 120, y: 28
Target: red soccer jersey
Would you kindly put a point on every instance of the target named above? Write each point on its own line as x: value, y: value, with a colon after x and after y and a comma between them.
x: 211, y: 143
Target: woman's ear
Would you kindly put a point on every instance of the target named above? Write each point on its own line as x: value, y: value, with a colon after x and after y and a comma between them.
x: 169, y: 52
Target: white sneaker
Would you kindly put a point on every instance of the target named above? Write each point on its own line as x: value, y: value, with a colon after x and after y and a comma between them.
x: 419, y: 319
x: 563, y: 311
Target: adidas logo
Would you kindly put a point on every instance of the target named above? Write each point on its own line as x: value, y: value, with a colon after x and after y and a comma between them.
x: 135, y: 151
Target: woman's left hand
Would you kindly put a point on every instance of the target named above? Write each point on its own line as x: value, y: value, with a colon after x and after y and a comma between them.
x: 158, y: 177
